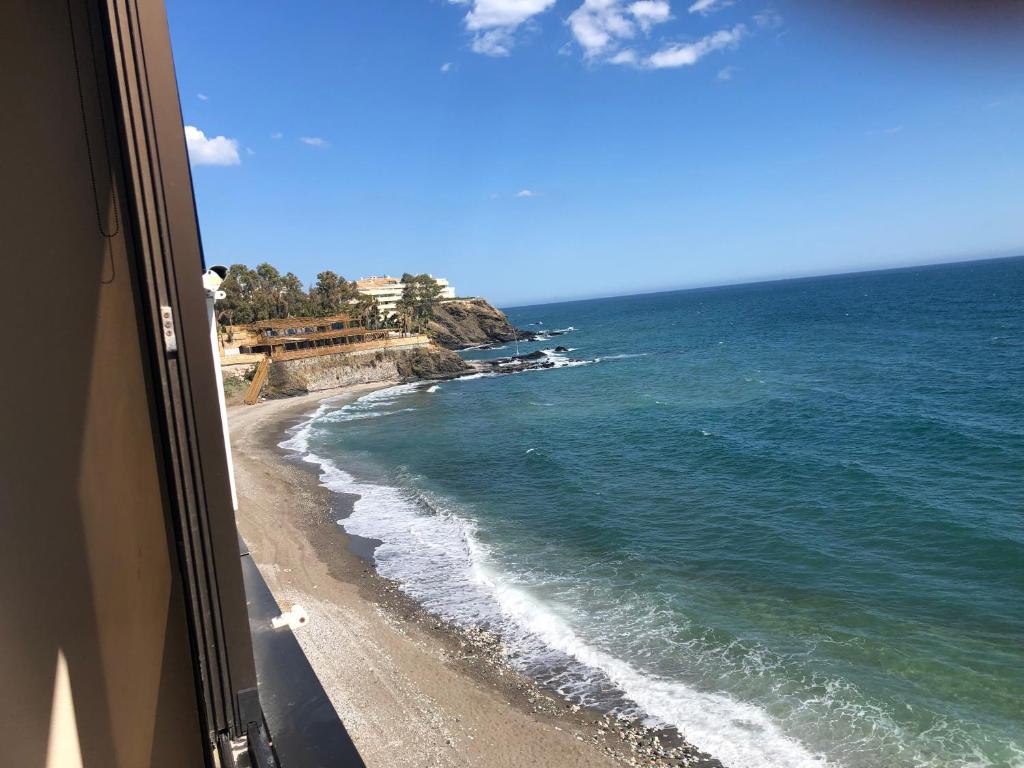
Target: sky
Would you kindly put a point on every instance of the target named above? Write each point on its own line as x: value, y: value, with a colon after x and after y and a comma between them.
x: 537, y: 150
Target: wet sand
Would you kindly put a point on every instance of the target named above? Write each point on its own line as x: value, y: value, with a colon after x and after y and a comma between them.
x: 411, y: 689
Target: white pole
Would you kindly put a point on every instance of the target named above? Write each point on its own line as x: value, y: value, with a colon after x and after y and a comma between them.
x: 211, y: 314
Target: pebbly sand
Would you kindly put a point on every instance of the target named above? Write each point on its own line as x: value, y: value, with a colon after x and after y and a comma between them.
x: 411, y: 689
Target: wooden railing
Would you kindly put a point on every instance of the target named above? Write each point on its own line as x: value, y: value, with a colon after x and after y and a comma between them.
x: 296, y: 338
x: 341, y: 349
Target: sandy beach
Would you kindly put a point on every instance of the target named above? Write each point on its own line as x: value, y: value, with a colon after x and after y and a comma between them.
x: 411, y: 689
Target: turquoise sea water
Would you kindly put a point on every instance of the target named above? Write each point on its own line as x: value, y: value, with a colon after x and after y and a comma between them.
x: 786, y: 517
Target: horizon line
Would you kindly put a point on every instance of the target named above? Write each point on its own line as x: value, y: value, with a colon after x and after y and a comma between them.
x: 760, y: 281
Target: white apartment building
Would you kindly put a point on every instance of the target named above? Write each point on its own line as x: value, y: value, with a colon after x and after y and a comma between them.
x: 388, y: 290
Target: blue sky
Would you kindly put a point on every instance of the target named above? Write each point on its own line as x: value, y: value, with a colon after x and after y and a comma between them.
x: 533, y: 150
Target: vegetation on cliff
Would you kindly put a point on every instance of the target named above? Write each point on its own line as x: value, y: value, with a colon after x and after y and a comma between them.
x: 264, y: 293
x: 419, y: 302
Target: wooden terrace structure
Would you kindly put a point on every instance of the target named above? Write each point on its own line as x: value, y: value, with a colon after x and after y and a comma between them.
x: 298, y: 337
x: 294, y: 338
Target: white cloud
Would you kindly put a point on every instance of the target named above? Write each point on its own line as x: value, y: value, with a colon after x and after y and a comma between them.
x: 600, y: 26
x: 277, y: 135
x: 494, y: 42
x: 688, y: 54
x: 650, y: 12
x: 768, y: 19
x: 612, y: 31
x: 494, y: 22
x: 315, y: 141
x: 705, y: 7
x: 447, y: 67
x: 216, y: 150
x: 726, y: 73
x: 202, y: 97
x: 526, y: 193
x: 250, y: 151
x: 490, y: 14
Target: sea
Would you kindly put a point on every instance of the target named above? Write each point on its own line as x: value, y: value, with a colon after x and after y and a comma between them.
x: 786, y: 518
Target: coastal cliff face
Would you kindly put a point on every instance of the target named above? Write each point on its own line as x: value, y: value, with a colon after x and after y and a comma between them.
x: 314, y: 374
x: 469, y: 322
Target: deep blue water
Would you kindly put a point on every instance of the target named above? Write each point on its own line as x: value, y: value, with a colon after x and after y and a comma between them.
x: 785, y: 517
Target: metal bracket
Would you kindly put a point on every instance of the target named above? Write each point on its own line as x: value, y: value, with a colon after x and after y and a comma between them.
x: 167, y: 325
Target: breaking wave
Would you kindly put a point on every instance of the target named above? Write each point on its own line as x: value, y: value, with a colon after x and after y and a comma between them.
x: 431, y: 549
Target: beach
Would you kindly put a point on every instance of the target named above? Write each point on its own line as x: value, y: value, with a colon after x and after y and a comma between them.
x: 410, y: 688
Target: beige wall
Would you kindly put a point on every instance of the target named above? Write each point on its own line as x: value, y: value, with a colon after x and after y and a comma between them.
x: 86, y: 583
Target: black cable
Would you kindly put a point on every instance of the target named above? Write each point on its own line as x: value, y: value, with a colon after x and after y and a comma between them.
x: 88, y: 143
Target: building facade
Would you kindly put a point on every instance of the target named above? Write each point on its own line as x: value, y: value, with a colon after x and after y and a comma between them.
x: 388, y: 291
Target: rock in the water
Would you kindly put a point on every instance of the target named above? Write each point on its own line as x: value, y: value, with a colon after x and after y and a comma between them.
x: 430, y: 363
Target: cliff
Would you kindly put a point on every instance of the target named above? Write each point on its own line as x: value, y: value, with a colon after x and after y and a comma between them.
x: 314, y: 374
x: 470, y: 322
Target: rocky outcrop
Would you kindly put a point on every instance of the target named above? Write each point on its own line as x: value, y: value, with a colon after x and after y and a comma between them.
x: 315, y: 374
x: 430, y: 363
x: 532, y: 361
x: 465, y: 323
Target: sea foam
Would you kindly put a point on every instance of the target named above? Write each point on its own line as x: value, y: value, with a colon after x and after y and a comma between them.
x: 431, y: 549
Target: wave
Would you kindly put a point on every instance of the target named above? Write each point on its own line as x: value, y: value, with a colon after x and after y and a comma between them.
x: 561, y: 360
x: 431, y: 549
x: 625, y: 356
x: 364, y: 407
x: 555, y: 359
x: 547, y: 335
x: 299, y: 439
x: 481, y: 375
x: 434, y: 388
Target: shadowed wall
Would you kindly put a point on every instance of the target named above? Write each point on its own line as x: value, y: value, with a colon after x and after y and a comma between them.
x: 85, y: 562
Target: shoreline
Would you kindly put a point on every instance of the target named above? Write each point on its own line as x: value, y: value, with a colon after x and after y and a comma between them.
x: 409, y: 686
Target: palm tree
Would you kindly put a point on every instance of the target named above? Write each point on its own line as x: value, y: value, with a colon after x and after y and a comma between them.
x: 367, y: 311
x: 404, y: 314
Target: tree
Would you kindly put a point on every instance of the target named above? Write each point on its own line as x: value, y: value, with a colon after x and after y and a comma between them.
x: 264, y: 293
x: 237, y: 307
x: 331, y: 294
x: 294, y: 299
x: 419, y: 297
x: 367, y: 311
